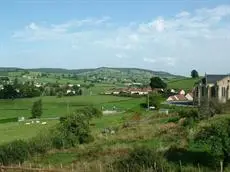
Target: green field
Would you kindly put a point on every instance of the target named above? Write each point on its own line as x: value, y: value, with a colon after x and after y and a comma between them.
x: 16, y: 130
x: 55, y: 107
x: 186, y: 84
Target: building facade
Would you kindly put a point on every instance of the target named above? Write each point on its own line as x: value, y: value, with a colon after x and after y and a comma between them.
x: 212, y: 87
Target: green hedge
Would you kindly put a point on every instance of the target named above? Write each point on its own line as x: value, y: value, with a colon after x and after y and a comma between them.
x: 7, y: 120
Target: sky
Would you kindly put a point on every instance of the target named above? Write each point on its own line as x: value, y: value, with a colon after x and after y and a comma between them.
x: 175, y: 36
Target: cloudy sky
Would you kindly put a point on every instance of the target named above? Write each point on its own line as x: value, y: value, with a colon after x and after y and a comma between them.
x: 174, y: 36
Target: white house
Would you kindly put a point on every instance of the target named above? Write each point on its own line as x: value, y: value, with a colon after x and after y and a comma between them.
x: 189, y: 96
x: 116, y: 92
x: 38, y: 85
x: 181, y: 92
x: 70, y: 91
x: 172, y: 91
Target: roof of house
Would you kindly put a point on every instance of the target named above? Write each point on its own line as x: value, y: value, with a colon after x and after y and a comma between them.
x: 211, y: 79
x: 178, y: 98
x: 189, y: 94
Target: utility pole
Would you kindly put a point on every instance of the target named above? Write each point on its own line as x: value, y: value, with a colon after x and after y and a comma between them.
x: 67, y: 107
x: 148, y: 100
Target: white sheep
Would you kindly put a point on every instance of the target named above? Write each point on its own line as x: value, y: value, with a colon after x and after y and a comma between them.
x: 112, y: 132
x: 27, y: 123
x: 44, y: 123
x: 37, y: 122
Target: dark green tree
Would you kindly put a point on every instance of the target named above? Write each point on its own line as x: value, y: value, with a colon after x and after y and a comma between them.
x: 37, y: 109
x: 156, y: 82
x: 154, y: 100
x: 194, y: 74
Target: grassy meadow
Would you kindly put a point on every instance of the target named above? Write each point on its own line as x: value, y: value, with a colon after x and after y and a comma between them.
x: 186, y: 84
x: 56, y: 107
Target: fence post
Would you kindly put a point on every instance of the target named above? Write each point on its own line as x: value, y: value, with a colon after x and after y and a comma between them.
x: 61, y: 165
x: 100, y: 168
x: 221, y: 166
x: 180, y: 166
x: 72, y: 166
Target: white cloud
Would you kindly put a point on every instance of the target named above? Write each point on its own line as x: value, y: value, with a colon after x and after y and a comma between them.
x: 121, y: 56
x: 150, y: 60
x: 187, y: 39
x: 168, y: 61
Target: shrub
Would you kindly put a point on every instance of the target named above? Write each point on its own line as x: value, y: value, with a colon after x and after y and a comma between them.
x: 141, y: 158
x: 188, y: 114
x: 89, y: 112
x: 215, y: 107
x: 188, y: 117
x: 14, y: 152
x: 209, y: 108
x: 40, y: 144
x: 176, y: 154
x: 173, y: 119
x: 214, y: 139
x: 154, y: 100
x: 37, y: 109
x: 72, y: 130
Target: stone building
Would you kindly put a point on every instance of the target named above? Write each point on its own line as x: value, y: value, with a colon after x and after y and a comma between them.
x: 212, y: 87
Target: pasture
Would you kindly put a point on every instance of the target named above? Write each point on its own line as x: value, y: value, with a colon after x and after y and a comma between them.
x: 56, y: 107
x: 16, y: 130
x: 186, y: 84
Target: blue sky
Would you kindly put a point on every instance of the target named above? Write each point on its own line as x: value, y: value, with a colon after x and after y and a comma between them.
x: 173, y: 36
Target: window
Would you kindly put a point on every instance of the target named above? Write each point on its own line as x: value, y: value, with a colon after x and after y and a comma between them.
x: 197, y: 91
x: 223, y: 92
x: 213, y: 92
x: 202, y: 91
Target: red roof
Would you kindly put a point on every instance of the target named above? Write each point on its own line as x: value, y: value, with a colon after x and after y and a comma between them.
x: 179, y: 97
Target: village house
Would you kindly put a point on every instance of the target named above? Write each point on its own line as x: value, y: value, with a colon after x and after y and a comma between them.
x: 179, y: 97
x: 181, y: 92
x: 212, y: 87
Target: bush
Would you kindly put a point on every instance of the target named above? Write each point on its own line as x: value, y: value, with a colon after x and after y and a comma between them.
x: 210, y: 108
x: 214, y: 139
x: 90, y: 112
x: 154, y: 100
x: 141, y: 158
x: 215, y: 107
x: 187, y: 157
x: 37, y: 109
x: 188, y: 117
x: 14, y: 152
x: 173, y: 119
x: 40, y: 144
x: 188, y: 114
x: 72, y: 130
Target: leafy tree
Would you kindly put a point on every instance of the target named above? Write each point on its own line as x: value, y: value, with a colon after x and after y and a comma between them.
x: 9, y: 92
x: 194, y: 74
x: 214, y: 139
x: 156, y: 82
x: 72, y: 130
x: 154, y: 100
x: 37, y: 109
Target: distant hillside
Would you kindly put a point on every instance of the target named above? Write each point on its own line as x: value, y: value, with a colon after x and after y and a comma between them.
x: 105, y: 69
x: 104, y: 73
